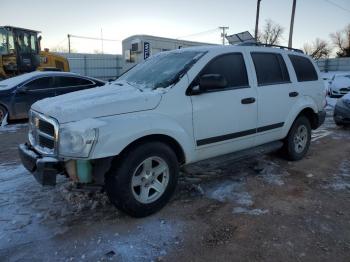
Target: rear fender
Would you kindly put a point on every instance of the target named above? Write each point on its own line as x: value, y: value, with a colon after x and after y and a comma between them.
x: 302, y: 103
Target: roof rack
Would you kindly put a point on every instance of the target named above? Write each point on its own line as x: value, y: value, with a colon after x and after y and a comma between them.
x: 251, y: 43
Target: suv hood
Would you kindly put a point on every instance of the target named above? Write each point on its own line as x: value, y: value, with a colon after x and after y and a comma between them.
x: 111, y: 99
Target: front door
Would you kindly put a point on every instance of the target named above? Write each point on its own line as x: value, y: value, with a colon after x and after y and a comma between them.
x: 224, y: 119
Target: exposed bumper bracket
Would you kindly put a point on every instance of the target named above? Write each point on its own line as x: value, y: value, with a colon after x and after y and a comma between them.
x: 44, y: 169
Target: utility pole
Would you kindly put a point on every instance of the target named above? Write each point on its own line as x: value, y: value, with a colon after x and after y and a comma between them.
x: 290, y: 42
x: 101, y: 40
x: 257, y: 20
x: 68, y: 43
x: 223, y: 34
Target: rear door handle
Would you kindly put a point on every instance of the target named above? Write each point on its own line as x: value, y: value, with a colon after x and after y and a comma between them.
x: 249, y: 100
x: 293, y: 94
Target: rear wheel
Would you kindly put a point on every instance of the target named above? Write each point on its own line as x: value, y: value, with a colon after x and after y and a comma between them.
x: 143, y: 179
x: 297, y: 142
x: 3, y: 113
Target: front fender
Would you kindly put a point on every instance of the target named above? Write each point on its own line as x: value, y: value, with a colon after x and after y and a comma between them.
x: 301, y: 104
x: 120, y: 131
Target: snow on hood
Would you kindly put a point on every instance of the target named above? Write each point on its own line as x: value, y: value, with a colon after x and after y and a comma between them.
x: 110, y: 99
x: 341, y: 82
x: 347, y: 96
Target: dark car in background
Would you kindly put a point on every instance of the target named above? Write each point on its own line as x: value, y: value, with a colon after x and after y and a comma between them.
x: 342, y: 111
x: 17, y: 94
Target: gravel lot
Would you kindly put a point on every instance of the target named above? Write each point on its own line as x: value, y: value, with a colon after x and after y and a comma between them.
x: 260, y: 209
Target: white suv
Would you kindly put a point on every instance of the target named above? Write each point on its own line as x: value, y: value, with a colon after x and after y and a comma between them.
x: 175, y: 108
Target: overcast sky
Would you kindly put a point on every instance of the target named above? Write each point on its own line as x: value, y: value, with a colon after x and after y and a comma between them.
x: 120, y: 19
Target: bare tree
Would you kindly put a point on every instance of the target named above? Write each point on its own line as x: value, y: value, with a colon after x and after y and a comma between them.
x: 272, y: 33
x: 318, y: 49
x: 97, y: 51
x: 341, y: 40
x: 61, y: 49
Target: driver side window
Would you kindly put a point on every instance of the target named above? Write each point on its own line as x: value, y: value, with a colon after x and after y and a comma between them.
x: 231, y: 67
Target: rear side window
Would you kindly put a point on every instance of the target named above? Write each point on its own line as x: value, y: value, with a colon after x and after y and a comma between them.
x: 270, y: 69
x: 62, y: 81
x: 40, y: 83
x: 230, y: 66
x: 303, y: 68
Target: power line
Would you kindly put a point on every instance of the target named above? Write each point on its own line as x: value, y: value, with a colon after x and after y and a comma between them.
x: 94, y: 38
x: 337, y: 5
x: 200, y: 33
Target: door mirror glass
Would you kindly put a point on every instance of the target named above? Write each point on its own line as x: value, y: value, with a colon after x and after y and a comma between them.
x: 212, y: 82
x: 22, y: 90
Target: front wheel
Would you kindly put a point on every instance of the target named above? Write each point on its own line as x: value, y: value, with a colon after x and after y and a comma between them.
x: 142, y: 180
x: 297, y: 142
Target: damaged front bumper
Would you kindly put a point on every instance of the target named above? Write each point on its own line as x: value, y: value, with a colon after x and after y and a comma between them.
x: 44, y: 169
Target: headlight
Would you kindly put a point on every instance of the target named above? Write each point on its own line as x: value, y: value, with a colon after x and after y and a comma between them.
x: 76, y: 143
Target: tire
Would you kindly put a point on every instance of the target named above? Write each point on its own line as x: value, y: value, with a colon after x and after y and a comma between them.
x: 129, y: 183
x: 298, y: 140
x: 337, y: 123
x: 3, y: 113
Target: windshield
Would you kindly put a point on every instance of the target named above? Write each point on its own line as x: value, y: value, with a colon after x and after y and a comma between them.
x: 161, y: 70
x: 26, y: 42
x: 3, y: 42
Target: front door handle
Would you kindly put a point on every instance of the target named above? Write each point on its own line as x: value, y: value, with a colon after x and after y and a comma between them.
x: 249, y: 100
x: 293, y: 94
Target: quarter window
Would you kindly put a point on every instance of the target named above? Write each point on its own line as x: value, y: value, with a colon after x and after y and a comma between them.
x: 270, y: 69
x: 230, y: 66
x: 303, y: 68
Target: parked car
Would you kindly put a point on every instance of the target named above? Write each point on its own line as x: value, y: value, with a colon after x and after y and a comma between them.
x: 339, y: 85
x: 17, y: 94
x: 342, y: 111
x: 173, y: 109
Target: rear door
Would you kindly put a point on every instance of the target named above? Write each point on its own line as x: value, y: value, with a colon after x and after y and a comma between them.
x: 275, y: 96
x: 307, y: 81
x: 31, y: 92
x: 68, y: 84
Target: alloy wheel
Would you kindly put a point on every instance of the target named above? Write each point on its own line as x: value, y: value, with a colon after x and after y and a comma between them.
x: 150, y: 180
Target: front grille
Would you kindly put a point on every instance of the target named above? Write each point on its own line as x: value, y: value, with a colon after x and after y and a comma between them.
x: 46, y: 142
x: 47, y: 128
x: 43, y: 133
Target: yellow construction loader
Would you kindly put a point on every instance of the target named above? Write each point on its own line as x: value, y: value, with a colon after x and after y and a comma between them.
x: 20, y: 52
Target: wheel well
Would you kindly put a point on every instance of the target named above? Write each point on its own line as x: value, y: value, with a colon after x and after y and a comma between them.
x: 161, y: 138
x: 311, y: 116
x: 8, y: 112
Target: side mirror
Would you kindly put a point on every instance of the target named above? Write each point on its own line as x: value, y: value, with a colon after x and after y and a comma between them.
x: 210, y: 82
x: 22, y: 90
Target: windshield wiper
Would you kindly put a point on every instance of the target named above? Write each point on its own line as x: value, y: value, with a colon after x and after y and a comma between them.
x: 135, y: 86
